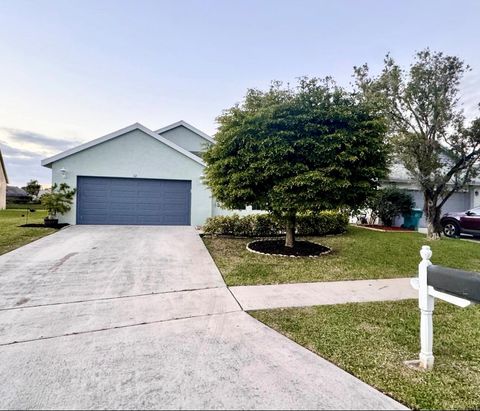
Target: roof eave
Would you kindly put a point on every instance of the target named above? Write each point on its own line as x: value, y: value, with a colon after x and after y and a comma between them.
x: 187, y: 126
x: 47, y: 162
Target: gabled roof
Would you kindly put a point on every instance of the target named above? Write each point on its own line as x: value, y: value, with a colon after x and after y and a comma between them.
x: 136, y: 126
x: 187, y: 126
x: 2, y: 164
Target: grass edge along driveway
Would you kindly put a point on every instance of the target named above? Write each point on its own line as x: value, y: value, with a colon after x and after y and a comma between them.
x: 356, y: 255
x: 371, y: 341
x: 13, y: 236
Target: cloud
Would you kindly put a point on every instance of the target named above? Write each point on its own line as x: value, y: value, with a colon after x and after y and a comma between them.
x: 470, y: 95
x: 11, y: 152
x: 40, y: 139
x: 23, y: 151
x: 34, y: 142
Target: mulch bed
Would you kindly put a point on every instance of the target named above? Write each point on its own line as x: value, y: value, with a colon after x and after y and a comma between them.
x: 58, y: 226
x: 277, y: 247
x: 385, y: 228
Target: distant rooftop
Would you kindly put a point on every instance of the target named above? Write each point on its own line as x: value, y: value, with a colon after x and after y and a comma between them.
x: 13, y: 191
x: 398, y: 173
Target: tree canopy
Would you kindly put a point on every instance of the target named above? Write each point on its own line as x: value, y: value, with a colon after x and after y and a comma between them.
x: 427, y: 126
x: 33, y: 188
x: 291, y: 150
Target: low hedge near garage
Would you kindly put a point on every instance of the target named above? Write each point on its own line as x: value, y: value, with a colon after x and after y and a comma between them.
x: 263, y: 225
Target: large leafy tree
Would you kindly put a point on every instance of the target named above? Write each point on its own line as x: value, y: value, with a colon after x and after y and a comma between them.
x: 427, y: 125
x: 294, y: 150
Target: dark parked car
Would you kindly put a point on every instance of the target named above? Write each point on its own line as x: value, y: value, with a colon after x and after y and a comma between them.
x: 465, y: 222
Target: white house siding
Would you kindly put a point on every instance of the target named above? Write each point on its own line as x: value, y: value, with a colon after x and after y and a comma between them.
x: 135, y: 154
x: 186, y: 139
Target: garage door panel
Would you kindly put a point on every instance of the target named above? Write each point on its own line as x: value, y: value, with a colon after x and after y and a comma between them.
x: 98, y: 218
x: 150, y: 220
x: 105, y: 200
x: 100, y: 208
x: 122, y: 194
x: 172, y: 220
x: 121, y: 209
x: 147, y: 196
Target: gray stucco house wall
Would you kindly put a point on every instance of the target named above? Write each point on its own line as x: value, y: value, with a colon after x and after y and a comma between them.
x: 186, y: 136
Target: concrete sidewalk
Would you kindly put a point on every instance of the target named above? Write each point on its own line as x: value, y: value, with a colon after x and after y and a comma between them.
x: 260, y: 297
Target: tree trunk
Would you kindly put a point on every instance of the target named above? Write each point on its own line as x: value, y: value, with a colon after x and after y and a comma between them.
x: 290, y: 231
x: 432, y: 215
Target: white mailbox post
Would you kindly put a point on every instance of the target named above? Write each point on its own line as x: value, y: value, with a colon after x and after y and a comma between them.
x: 426, y: 303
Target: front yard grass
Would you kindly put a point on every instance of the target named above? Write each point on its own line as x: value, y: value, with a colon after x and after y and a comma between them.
x: 371, y: 341
x: 12, y: 236
x: 357, y: 254
x: 20, y: 206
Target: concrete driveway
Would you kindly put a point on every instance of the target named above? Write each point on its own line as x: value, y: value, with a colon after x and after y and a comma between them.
x: 139, y: 317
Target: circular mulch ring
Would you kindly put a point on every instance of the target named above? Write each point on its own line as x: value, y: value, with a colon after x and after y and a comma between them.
x: 277, y: 248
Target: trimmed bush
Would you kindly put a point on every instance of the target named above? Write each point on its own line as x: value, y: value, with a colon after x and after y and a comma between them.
x: 323, y: 223
x: 264, y: 225
x: 389, y: 202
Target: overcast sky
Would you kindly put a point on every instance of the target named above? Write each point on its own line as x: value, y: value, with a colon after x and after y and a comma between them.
x: 72, y: 71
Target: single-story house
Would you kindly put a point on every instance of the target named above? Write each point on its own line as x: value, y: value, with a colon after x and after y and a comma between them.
x: 138, y: 176
x: 3, y: 184
x: 17, y: 195
x: 459, y: 201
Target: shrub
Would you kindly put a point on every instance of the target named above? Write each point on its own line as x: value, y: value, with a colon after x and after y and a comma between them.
x: 390, y: 202
x: 59, y: 200
x: 264, y: 225
x: 323, y: 223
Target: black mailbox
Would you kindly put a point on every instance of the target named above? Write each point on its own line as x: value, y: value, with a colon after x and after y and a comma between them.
x: 463, y: 284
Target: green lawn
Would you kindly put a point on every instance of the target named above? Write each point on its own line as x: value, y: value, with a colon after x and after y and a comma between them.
x: 358, y: 254
x: 372, y: 340
x: 35, y: 206
x: 12, y: 236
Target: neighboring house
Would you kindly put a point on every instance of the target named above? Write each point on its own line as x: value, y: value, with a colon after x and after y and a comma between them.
x: 17, y: 195
x: 3, y: 184
x: 459, y: 201
x: 138, y: 176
